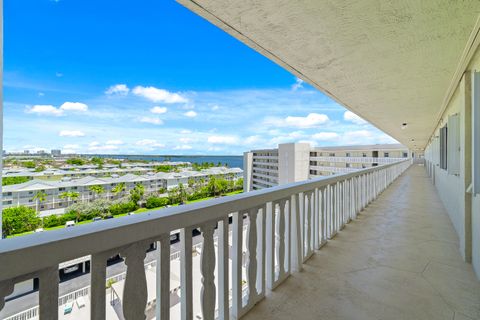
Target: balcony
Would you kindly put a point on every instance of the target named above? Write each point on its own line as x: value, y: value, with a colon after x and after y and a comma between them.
x: 292, y: 222
x: 395, y: 254
x: 398, y: 259
x: 356, y: 159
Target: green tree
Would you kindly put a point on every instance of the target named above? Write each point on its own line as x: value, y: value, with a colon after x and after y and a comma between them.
x: 14, y: 180
x: 212, y: 186
x: 97, y: 190
x: 40, y: 168
x: 239, y: 184
x: 119, y: 188
x: 39, y: 197
x: 136, y: 194
x: 75, y: 161
x: 29, y: 164
x: 19, y: 219
x: 69, y: 196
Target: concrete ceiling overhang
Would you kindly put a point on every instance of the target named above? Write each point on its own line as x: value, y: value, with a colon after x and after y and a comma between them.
x: 389, y: 61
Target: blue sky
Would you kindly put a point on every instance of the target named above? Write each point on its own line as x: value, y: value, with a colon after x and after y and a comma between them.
x: 108, y: 77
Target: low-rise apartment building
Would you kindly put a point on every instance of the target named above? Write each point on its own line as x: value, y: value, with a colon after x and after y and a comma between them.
x: 24, y: 193
x: 292, y: 162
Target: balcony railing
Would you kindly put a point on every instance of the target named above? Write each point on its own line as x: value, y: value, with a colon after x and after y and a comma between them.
x: 357, y: 159
x: 286, y: 225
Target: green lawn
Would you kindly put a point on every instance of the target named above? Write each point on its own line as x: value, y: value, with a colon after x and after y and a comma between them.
x: 124, y: 214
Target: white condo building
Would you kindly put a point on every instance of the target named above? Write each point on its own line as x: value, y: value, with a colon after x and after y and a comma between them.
x: 293, y: 162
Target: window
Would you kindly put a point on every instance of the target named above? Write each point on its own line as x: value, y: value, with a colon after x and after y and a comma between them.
x: 443, y: 147
x: 348, y: 154
x: 385, y: 155
x: 347, y: 165
x: 332, y: 154
x: 405, y: 154
x: 453, y: 144
x: 476, y: 133
x: 364, y: 154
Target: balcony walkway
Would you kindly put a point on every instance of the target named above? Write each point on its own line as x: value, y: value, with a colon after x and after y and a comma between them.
x: 398, y: 260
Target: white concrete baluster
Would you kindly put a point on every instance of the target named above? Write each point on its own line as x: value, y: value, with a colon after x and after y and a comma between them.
x: 98, y: 274
x: 135, y: 291
x: 207, y: 269
x: 186, y: 274
x: 297, y: 244
x: 163, y: 278
x: 237, y: 255
x: 316, y: 221
x: 252, y: 255
x: 323, y: 214
x: 6, y: 288
x: 222, y: 265
x: 49, y: 293
x: 281, y: 238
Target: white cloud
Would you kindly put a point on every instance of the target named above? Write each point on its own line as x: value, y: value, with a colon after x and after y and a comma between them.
x: 93, y: 144
x: 223, y: 139
x: 44, y: 110
x: 158, y: 95
x: 352, y: 117
x: 215, y: 107
x: 298, y: 84
x: 71, y: 133
x: 158, y: 110
x: 118, y: 89
x: 185, y: 140
x: 190, y: 114
x: 52, y: 111
x: 325, y: 136
x: 74, y: 106
x: 156, y: 121
x: 102, y: 148
x: 185, y: 131
x: 58, y: 74
x: 149, y: 143
x: 41, y: 94
x: 311, y: 120
x: 183, y: 147
x: 114, y: 142
x: 71, y: 146
x: 252, y: 140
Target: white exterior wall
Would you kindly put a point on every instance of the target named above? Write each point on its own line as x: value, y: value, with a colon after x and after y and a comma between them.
x: 293, y: 162
x: 463, y: 207
x: 247, y: 171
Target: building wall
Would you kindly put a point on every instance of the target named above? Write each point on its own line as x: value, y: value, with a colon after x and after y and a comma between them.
x: 463, y: 207
x: 293, y: 162
x: 247, y: 169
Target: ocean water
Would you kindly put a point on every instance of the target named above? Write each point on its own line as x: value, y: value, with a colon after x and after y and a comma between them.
x: 231, y: 161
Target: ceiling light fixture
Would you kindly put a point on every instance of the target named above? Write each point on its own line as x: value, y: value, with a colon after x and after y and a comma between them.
x: 404, y: 125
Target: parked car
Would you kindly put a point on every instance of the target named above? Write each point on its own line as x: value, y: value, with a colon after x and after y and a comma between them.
x: 96, y: 219
x: 70, y: 223
x: 39, y: 230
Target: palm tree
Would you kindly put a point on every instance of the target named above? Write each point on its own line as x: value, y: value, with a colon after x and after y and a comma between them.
x: 97, y: 190
x: 119, y: 188
x: 74, y: 195
x: 69, y: 196
x: 136, y: 194
x: 39, y: 197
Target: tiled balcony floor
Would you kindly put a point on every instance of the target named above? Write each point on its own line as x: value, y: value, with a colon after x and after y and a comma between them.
x: 398, y: 260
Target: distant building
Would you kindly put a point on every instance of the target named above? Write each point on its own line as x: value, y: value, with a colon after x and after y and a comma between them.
x: 292, y: 162
x: 24, y: 193
x: 56, y: 152
x: 26, y: 152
